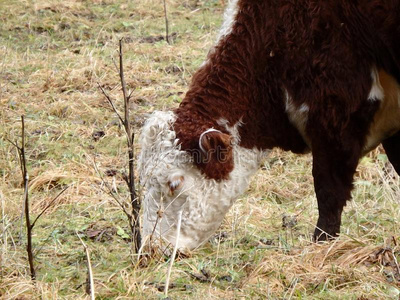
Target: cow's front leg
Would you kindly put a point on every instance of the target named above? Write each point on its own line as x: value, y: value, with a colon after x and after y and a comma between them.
x: 392, y: 148
x: 333, y: 170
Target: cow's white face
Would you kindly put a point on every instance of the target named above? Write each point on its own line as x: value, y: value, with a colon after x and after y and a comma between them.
x: 174, y: 185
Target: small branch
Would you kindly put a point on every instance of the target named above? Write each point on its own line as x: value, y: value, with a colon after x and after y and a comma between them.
x: 133, y: 216
x: 166, y: 23
x: 23, y: 204
x: 14, y: 144
x: 178, y: 232
x: 124, y: 93
x: 130, y: 94
x: 48, y: 206
x: 25, y: 176
x: 111, y: 103
x: 21, y: 226
x: 135, y: 201
x: 90, y: 283
x: 115, y: 65
x: 110, y: 192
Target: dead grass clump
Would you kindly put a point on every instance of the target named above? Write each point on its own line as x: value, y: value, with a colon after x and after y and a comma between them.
x: 59, y: 6
x: 48, y: 180
x: 20, y: 287
x: 81, y: 188
x: 338, y: 265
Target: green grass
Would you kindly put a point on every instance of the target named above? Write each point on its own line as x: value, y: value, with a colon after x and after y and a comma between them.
x: 52, y: 55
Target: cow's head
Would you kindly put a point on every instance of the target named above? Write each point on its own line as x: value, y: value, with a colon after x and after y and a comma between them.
x: 177, y: 186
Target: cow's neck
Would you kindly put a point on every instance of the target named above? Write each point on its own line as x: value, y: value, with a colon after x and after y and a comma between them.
x: 239, y: 84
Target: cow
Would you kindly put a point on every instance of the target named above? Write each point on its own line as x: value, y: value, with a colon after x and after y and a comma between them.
x: 302, y: 75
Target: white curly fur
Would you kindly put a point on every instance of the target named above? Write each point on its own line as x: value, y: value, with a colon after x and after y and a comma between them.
x: 204, y: 201
x: 229, y: 19
x: 230, y: 14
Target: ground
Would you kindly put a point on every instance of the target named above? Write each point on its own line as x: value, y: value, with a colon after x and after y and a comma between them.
x: 53, y: 55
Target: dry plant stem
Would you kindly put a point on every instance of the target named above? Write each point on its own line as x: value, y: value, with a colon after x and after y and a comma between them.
x: 110, y: 192
x: 48, y: 206
x: 90, y: 271
x: 166, y: 23
x: 178, y: 232
x: 111, y: 103
x: 133, y: 217
x: 25, y: 175
x: 21, y: 226
x: 23, y: 204
x: 135, y: 201
x: 29, y: 225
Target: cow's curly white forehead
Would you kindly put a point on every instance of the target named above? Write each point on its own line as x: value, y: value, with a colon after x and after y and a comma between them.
x: 160, y: 147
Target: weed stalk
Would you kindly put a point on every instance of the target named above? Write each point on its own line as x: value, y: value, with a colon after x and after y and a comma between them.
x: 25, y: 176
x: 29, y: 225
x: 133, y: 216
x: 166, y: 23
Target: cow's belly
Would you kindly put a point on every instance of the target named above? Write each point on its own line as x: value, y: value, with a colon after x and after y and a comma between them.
x: 387, y: 119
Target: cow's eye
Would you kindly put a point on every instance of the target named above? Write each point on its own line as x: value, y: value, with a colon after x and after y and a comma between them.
x: 175, y: 183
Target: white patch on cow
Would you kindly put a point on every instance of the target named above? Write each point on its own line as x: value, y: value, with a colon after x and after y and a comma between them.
x: 204, y: 201
x: 230, y: 14
x: 298, y: 116
x: 233, y: 130
x: 229, y: 19
x: 376, y: 92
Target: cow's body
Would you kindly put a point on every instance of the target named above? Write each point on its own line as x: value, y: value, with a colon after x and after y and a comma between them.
x: 319, y: 76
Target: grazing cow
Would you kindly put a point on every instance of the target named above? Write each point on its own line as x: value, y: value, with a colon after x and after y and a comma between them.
x: 301, y: 75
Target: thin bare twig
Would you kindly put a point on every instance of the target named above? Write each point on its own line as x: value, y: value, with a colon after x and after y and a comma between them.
x: 48, y: 206
x: 178, y: 232
x: 25, y: 176
x: 166, y: 23
x: 133, y: 216
x: 115, y: 65
x: 110, y: 192
x: 25, y: 209
x: 130, y: 135
x: 23, y: 203
x: 160, y: 214
x: 130, y: 94
x: 111, y: 103
x: 90, y: 285
x: 14, y: 144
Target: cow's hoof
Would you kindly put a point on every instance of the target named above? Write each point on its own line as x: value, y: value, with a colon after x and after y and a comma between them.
x: 323, y: 236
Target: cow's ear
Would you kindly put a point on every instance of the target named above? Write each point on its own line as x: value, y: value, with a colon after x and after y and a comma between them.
x: 216, y: 154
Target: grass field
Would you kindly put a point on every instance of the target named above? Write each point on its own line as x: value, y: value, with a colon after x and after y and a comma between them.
x: 52, y: 55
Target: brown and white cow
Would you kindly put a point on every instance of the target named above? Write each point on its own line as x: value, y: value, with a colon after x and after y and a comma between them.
x: 302, y: 75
